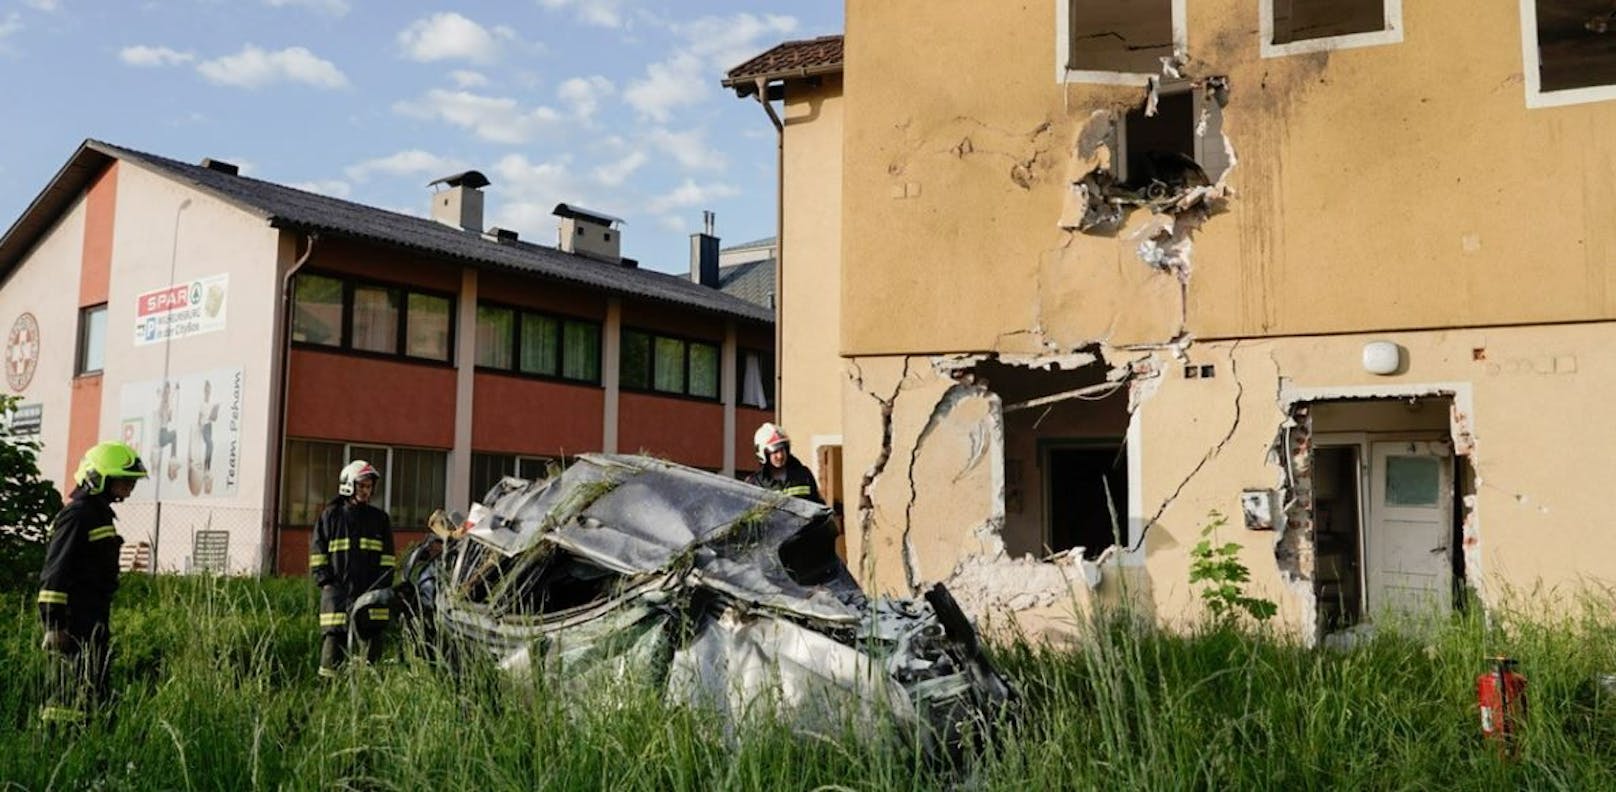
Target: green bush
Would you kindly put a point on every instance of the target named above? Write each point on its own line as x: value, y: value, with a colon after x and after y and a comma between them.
x: 27, y: 505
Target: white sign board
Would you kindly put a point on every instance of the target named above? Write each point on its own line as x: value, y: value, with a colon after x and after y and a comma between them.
x: 184, y: 309
x: 187, y: 429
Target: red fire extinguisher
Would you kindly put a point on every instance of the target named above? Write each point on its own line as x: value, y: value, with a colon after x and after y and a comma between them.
x: 1501, y: 694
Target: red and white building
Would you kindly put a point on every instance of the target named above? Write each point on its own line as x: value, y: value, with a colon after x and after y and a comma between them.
x: 250, y: 338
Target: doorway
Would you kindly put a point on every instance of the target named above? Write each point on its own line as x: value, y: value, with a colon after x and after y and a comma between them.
x: 1087, y: 487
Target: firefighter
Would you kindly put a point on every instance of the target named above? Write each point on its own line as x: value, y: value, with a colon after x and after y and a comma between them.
x: 781, y: 470
x: 79, y: 579
x: 352, y: 555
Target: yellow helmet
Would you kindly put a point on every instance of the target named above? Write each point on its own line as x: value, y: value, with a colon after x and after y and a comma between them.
x: 108, y: 460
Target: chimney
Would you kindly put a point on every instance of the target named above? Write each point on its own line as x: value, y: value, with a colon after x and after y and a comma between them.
x: 589, y: 233
x: 220, y: 166
x: 461, y: 203
x: 704, y: 254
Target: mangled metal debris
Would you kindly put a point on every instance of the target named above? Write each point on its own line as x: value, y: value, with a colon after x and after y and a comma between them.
x: 720, y: 594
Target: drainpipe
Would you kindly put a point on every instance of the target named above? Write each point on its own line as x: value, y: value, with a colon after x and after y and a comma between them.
x: 272, y: 532
x: 779, y: 242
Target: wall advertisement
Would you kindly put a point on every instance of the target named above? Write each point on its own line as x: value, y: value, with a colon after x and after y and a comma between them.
x: 181, y: 310
x: 188, y: 431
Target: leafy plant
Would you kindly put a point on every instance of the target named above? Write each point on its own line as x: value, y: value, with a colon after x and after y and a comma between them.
x: 27, y: 504
x: 1223, y: 577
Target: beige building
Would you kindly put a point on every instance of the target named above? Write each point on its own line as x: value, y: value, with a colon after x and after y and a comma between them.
x: 1342, y: 272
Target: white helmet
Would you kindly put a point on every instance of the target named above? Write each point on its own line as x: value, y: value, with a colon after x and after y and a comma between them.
x: 769, y: 437
x: 353, y: 473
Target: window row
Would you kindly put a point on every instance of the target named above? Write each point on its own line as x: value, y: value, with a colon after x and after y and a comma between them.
x: 488, y: 469
x: 667, y: 364
x: 368, y: 317
x: 535, y: 343
x: 413, y: 483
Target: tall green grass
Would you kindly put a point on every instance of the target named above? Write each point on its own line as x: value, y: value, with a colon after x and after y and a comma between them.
x: 218, y: 691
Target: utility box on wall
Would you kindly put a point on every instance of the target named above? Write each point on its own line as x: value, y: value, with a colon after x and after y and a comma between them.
x: 1257, y: 505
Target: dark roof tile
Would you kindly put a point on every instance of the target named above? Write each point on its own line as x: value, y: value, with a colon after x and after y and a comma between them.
x: 802, y: 58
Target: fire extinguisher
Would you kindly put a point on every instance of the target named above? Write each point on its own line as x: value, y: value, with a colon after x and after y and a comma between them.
x: 1501, y: 694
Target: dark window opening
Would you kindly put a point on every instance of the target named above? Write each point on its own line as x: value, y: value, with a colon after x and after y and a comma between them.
x: 1161, y: 148
x: 1336, y: 535
x: 1303, y: 20
x: 754, y: 379
x: 1119, y: 35
x: 1576, y: 44
x: 1087, y: 485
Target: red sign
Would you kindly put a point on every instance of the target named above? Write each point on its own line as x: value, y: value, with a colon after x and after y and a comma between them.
x: 164, y: 300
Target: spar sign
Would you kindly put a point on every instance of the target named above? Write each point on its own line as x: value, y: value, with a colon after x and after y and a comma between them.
x: 184, y: 309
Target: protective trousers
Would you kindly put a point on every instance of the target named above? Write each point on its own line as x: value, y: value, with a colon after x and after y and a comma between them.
x: 76, y: 680
x: 365, y: 630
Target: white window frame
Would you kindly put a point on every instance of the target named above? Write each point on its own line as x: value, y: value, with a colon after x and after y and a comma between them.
x: 1392, y: 34
x: 1063, y: 39
x: 1198, y: 105
x: 1532, y: 70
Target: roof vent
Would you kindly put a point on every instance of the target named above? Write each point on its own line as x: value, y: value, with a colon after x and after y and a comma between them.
x: 502, y: 235
x: 589, y: 233
x: 461, y: 204
x: 227, y: 168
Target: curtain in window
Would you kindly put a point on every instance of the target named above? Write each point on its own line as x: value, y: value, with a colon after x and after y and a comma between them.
x: 580, y: 357
x: 668, y: 370
x: 636, y: 363
x: 752, y: 392
x: 375, y: 319
x: 704, y: 370
x: 428, y: 333
x: 495, y: 328
x: 540, y: 342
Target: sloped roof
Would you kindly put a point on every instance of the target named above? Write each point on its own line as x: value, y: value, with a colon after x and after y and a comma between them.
x: 290, y: 208
x: 752, y: 281
x: 756, y: 243
x: 801, y: 58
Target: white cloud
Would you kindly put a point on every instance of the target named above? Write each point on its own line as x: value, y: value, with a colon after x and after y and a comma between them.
x: 530, y: 190
x: 599, y: 13
x: 254, y: 68
x: 8, y: 27
x: 583, y: 94
x: 332, y: 7
x: 450, y: 36
x: 498, y: 119
x: 142, y: 55
x: 615, y: 173
x: 335, y: 188
x: 726, y: 42
x: 669, y: 85
x: 689, y: 194
x: 43, y: 5
x: 413, y: 162
x: 688, y: 148
x: 465, y: 78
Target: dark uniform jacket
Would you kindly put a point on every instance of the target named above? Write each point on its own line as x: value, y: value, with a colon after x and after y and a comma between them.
x: 351, y: 553
x: 799, y: 481
x: 81, y: 567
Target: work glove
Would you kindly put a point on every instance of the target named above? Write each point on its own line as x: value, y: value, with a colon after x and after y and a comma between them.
x: 59, y: 641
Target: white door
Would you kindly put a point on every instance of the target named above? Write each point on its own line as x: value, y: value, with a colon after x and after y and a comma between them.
x: 1409, y: 564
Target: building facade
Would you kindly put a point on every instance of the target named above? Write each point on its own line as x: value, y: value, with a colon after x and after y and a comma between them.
x: 1115, y: 272
x: 249, y: 339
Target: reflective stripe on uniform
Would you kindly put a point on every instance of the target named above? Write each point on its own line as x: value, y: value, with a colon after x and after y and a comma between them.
x: 798, y: 491
x: 328, y: 673
x: 388, y: 560
x: 104, y: 532
x: 338, y: 546
x: 319, y: 559
x: 333, y: 619
x: 380, y: 614
x: 60, y: 715
x: 374, y: 545
x: 48, y: 597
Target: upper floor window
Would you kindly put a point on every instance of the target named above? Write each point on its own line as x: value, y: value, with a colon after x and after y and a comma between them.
x: 1568, y: 49
x: 667, y: 364
x: 1291, y: 27
x: 534, y: 343
x: 1116, y: 42
x: 370, y: 317
x: 754, y: 381
x: 92, y: 346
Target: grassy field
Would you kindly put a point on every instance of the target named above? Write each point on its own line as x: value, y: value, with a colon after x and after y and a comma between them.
x: 219, y: 692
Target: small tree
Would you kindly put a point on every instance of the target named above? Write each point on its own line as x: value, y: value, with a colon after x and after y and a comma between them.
x: 1218, y: 567
x: 27, y: 504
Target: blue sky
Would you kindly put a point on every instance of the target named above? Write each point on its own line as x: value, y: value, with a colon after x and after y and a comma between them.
x: 610, y: 104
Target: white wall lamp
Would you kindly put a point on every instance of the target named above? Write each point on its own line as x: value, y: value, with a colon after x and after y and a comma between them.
x: 1382, y: 357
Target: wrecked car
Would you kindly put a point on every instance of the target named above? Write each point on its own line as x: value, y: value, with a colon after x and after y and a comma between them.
x: 717, y: 593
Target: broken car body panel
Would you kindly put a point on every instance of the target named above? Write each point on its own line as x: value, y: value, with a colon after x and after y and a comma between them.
x: 725, y: 594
